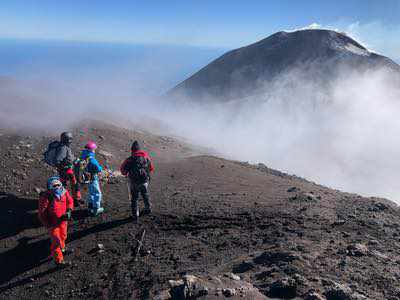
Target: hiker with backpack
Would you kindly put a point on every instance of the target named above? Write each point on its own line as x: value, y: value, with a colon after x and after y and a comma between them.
x: 60, y: 156
x: 55, y: 208
x: 91, y: 169
x: 138, y: 168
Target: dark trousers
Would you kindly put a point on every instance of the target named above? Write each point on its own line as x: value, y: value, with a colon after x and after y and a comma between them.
x: 68, y: 176
x: 137, y: 189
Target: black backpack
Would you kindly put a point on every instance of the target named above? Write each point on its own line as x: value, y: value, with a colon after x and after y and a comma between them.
x: 51, y: 153
x: 138, y: 169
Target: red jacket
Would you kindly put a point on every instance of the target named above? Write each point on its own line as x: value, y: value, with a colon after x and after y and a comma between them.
x: 51, y: 208
x: 125, y: 171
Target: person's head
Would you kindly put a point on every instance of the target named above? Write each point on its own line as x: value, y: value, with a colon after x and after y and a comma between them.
x: 135, y: 146
x: 91, y: 146
x: 66, y: 138
x: 54, y: 185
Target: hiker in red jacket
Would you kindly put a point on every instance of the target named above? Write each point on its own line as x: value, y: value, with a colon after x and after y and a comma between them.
x: 55, y: 208
x: 138, y: 168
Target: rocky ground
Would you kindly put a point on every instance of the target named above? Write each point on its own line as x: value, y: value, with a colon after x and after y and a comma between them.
x: 220, y: 229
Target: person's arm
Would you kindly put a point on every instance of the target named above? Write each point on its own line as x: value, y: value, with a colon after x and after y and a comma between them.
x: 70, y: 201
x: 151, y: 166
x: 149, y: 162
x: 123, y: 167
x: 61, y: 155
x: 70, y: 158
x: 42, y: 211
x: 97, y: 168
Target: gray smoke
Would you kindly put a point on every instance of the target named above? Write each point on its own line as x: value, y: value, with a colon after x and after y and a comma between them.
x: 345, y: 135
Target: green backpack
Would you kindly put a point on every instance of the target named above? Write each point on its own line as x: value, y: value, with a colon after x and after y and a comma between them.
x: 81, y: 170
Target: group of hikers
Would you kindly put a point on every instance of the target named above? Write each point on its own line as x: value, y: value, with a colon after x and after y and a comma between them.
x: 63, y: 191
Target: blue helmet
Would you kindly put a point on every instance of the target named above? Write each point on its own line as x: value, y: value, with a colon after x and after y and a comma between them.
x: 53, y: 182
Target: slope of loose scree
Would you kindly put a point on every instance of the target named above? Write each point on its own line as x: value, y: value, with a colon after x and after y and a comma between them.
x: 319, y: 54
x: 287, y: 237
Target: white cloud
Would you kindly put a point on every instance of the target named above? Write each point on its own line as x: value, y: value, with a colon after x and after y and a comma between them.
x: 378, y: 37
x: 375, y: 36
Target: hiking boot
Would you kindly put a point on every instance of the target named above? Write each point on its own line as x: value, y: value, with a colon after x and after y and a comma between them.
x: 63, y: 264
x: 147, y: 211
x: 66, y: 251
x: 98, y: 211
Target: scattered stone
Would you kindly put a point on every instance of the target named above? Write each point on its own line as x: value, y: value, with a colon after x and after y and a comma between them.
x: 105, y: 154
x: 100, y: 248
x: 163, y: 295
x: 338, y: 223
x: 379, y: 255
x: 232, y: 276
x: 313, y: 295
x: 376, y: 207
x: 292, y: 189
x: 373, y: 242
x: 270, y: 258
x: 305, y: 197
x: 357, y: 250
x: 338, y: 292
x: 358, y: 296
x: 345, y: 234
x: 229, y: 292
x: 175, y: 283
x: 243, y: 267
x: 194, y: 287
x: 299, y: 279
x: 285, y: 288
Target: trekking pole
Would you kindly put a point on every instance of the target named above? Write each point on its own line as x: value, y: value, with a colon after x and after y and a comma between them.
x: 128, y: 186
x: 129, y: 189
x: 140, y: 244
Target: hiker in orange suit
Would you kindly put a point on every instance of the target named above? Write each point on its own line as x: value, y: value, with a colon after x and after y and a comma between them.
x: 55, y: 208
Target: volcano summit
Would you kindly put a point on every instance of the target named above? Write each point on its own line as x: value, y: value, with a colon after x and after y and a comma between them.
x: 317, y: 54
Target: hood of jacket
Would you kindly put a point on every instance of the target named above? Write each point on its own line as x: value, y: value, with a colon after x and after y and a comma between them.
x: 140, y: 153
x: 87, y: 153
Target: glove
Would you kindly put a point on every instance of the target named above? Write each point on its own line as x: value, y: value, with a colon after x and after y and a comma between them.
x: 69, y: 170
x: 67, y: 216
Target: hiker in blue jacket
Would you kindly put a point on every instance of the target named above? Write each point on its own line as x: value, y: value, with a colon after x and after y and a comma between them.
x: 93, y: 168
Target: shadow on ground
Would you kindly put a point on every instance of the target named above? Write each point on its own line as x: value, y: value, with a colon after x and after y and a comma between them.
x: 28, y: 255
x: 17, y: 214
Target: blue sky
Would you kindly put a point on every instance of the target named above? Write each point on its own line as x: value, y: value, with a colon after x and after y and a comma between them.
x: 218, y: 24
x: 212, y: 23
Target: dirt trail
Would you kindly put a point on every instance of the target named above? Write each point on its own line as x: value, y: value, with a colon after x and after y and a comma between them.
x: 211, y: 216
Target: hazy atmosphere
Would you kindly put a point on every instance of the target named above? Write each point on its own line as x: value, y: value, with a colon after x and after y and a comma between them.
x: 176, y: 150
x: 333, y: 136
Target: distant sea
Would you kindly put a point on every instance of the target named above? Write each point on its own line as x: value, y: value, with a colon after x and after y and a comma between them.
x: 151, y: 68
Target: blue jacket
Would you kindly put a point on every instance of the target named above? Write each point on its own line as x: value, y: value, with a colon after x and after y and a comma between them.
x: 93, y: 167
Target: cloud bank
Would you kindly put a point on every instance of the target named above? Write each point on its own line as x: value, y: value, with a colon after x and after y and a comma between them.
x: 343, y: 136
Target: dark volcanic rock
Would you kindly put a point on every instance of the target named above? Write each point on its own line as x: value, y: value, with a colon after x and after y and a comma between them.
x: 210, y: 227
x: 285, y: 288
x: 319, y: 54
